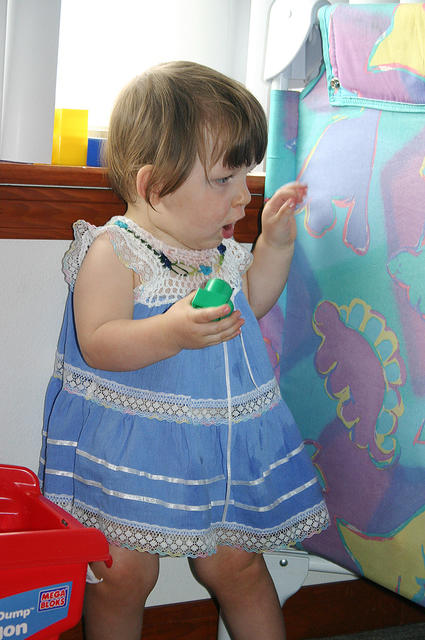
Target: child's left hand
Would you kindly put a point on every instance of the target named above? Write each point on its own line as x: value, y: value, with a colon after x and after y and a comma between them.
x: 279, y: 228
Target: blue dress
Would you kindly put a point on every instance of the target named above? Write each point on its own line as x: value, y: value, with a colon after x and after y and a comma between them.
x: 191, y: 452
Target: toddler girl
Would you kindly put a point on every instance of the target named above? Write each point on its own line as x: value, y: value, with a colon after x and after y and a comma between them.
x: 164, y: 425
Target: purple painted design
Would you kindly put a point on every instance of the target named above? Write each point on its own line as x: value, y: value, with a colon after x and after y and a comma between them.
x: 355, y: 377
x: 355, y: 489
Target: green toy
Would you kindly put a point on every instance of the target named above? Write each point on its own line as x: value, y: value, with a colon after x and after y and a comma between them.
x: 215, y: 293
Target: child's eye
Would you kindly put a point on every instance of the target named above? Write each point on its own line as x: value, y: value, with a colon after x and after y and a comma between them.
x: 224, y: 180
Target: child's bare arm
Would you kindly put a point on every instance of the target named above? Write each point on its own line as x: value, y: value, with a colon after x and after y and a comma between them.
x: 108, y: 336
x: 266, y: 278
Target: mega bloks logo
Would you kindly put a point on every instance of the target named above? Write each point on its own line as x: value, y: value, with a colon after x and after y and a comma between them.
x: 56, y: 598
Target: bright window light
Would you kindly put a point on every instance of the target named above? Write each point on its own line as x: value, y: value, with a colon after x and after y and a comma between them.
x: 105, y: 43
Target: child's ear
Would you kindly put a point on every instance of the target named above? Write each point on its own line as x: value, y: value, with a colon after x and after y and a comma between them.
x: 142, y: 181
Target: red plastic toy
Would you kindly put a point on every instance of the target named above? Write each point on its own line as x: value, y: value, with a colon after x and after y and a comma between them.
x: 44, y: 554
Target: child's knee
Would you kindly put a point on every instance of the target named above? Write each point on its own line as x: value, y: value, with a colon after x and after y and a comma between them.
x: 133, y: 574
x: 227, y: 568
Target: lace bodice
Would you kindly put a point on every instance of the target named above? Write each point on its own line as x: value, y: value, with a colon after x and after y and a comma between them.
x: 151, y: 259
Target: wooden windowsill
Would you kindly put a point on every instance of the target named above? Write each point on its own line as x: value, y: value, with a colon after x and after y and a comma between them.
x: 43, y: 201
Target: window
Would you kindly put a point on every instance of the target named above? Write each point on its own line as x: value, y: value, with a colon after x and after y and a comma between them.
x: 105, y: 43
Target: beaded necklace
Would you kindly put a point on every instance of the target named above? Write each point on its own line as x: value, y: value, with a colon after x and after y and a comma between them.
x: 177, y: 267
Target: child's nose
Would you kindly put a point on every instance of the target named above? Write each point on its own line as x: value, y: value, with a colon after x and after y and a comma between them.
x: 242, y: 197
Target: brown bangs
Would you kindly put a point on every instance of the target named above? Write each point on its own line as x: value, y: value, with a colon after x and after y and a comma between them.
x: 236, y: 132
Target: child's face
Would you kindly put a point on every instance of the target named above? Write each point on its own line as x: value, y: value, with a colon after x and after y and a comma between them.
x: 204, y: 209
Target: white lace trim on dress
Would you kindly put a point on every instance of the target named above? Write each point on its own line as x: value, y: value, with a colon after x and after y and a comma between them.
x: 171, y: 542
x: 166, y: 406
x: 159, y: 285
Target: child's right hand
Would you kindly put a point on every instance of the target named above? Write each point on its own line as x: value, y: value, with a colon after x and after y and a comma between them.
x: 196, y: 329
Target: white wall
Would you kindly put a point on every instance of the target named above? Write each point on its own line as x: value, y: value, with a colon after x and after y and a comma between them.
x: 32, y: 296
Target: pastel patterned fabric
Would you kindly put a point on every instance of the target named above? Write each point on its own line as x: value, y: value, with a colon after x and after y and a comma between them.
x: 190, y: 452
x: 347, y: 339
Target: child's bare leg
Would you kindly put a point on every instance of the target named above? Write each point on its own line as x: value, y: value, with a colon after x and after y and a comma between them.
x: 245, y: 591
x: 113, y: 609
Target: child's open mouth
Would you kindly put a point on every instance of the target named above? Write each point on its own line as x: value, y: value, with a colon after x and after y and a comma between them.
x: 227, y: 230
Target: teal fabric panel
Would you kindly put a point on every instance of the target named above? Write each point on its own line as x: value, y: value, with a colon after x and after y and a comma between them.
x: 283, y: 129
x: 347, y: 339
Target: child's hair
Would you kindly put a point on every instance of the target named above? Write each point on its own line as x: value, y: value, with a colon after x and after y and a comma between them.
x: 173, y: 113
